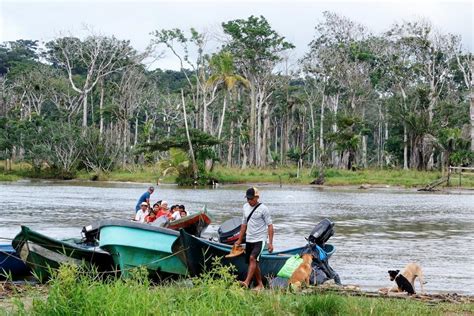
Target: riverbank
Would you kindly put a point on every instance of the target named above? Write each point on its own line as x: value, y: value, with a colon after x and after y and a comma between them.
x: 282, y: 175
x: 72, y: 292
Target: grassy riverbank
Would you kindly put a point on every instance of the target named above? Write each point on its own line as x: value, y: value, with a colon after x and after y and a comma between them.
x: 283, y: 175
x: 69, y: 294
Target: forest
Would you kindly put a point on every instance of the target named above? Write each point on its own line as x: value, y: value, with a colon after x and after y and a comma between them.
x: 355, y: 100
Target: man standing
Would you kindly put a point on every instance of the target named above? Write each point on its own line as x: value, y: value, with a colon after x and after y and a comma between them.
x: 256, y: 223
x: 144, y: 198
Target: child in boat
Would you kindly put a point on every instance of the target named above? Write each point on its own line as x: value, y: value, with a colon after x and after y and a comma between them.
x: 182, y: 211
x: 150, y: 218
x: 175, y: 214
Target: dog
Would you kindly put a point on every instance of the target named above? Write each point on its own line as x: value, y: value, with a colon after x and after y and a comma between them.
x: 302, y: 274
x: 405, y: 280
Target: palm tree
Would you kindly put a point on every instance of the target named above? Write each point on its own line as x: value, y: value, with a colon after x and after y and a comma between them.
x: 223, y: 69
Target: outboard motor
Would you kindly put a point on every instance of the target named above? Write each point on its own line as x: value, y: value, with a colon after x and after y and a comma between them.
x: 90, y: 233
x: 321, y: 270
x: 321, y: 232
x: 229, y: 231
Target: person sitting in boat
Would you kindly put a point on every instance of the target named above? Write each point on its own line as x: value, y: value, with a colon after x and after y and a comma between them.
x: 175, y: 214
x: 150, y: 218
x: 156, y: 207
x: 142, y: 213
x: 182, y: 211
x: 163, y: 210
x: 145, y: 197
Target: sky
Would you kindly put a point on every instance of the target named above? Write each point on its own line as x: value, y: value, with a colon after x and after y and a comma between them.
x: 295, y: 20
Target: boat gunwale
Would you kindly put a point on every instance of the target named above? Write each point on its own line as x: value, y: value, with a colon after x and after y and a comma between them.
x: 135, y: 225
x: 225, y: 247
x: 29, y: 235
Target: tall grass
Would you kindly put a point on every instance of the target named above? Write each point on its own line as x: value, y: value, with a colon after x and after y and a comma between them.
x: 73, y: 292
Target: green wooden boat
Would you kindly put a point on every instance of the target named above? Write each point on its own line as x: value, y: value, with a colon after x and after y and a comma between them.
x: 134, y: 245
x: 44, y: 254
x: 198, y: 255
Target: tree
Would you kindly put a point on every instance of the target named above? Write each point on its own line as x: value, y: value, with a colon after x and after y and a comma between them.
x: 332, y: 60
x: 96, y: 57
x: 16, y: 53
x: 195, y: 142
x: 222, y: 67
x: 182, y: 47
x: 256, y: 48
x: 428, y: 55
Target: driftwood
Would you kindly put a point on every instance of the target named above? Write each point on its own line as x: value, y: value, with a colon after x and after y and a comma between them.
x: 354, y: 290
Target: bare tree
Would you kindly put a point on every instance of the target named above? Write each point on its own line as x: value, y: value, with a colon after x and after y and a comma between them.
x: 98, y: 56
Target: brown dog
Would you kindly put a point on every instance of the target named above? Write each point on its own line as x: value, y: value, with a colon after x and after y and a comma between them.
x: 406, y: 279
x: 303, y: 272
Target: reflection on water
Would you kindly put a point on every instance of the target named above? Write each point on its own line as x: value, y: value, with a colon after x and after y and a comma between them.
x: 375, y: 230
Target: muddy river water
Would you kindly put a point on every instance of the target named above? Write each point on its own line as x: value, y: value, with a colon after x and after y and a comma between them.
x: 376, y: 230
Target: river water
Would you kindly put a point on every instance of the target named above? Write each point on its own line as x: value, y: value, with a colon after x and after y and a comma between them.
x: 376, y: 230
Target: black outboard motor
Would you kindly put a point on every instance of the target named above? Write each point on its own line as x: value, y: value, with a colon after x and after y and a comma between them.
x: 90, y: 233
x: 229, y: 231
x: 321, y: 270
x: 321, y: 232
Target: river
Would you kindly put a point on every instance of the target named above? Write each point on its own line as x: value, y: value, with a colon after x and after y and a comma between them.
x: 376, y: 230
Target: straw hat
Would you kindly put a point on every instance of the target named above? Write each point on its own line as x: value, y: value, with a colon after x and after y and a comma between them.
x: 236, y: 251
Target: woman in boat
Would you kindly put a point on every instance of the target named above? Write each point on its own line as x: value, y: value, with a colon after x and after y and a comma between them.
x: 163, y: 210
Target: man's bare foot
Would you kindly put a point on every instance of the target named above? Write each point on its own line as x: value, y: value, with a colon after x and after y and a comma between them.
x: 243, y: 284
x: 258, y: 288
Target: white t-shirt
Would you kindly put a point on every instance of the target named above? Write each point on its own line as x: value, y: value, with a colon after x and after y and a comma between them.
x: 140, y: 216
x: 257, y: 227
x: 176, y: 215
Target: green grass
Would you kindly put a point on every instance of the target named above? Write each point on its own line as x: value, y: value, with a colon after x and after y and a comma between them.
x: 284, y: 175
x: 73, y: 292
x: 336, y: 177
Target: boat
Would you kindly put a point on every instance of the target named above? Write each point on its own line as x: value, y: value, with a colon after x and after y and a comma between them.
x: 44, y: 254
x: 11, y: 266
x: 198, y: 254
x: 193, y: 224
x: 133, y: 244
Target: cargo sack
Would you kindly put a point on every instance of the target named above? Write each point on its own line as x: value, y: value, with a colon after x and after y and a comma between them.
x: 322, y: 254
x: 290, y: 265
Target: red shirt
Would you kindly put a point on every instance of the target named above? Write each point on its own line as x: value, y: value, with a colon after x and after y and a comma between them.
x: 162, y: 212
x: 150, y: 219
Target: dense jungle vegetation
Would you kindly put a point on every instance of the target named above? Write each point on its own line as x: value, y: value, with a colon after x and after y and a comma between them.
x: 395, y: 100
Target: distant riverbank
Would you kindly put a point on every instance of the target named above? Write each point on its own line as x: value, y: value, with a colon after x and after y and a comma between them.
x: 368, y: 178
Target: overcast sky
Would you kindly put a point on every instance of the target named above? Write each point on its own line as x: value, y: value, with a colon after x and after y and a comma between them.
x: 45, y: 20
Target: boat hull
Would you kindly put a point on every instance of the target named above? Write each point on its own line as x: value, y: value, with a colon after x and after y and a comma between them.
x: 198, y: 255
x: 193, y: 224
x: 135, y: 245
x: 44, y: 254
x: 10, y: 263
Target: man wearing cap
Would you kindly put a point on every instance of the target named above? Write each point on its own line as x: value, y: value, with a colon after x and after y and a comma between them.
x: 145, y: 197
x: 256, y: 225
x: 142, y: 213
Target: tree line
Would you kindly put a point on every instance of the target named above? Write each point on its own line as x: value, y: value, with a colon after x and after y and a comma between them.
x: 398, y: 99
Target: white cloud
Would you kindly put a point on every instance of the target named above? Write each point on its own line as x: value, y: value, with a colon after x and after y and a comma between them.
x: 295, y: 20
